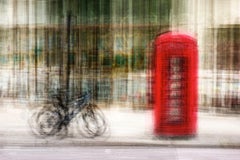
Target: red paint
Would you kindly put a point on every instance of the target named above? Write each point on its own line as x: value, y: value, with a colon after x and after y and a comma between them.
x: 175, y: 85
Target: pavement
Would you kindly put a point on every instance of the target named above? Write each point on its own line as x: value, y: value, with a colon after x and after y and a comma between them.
x: 127, y: 127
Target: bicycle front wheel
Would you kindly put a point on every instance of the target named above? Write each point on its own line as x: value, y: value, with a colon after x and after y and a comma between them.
x: 91, y: 122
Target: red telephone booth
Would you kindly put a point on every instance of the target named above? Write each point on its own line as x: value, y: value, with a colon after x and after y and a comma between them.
x: 175, y: 85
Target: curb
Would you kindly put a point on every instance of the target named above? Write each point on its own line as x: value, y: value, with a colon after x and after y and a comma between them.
x: 121, y: 144
x: 114, y: 142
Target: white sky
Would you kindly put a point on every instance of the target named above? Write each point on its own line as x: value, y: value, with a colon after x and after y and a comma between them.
x: 9, y: 16
x: 226, y: 11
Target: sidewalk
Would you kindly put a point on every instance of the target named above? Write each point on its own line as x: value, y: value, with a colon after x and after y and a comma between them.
x: 126, y: 127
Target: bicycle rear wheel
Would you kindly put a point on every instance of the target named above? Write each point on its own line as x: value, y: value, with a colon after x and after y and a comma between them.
x: 48, y: 122
x: 33, y: 124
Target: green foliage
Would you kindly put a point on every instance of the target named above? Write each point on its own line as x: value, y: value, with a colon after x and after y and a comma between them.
x: 120, y: 60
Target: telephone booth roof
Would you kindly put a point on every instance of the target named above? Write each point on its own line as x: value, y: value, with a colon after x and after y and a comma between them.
x: 174, y: 37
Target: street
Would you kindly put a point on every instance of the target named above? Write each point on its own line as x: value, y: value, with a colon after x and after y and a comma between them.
x: 218, y: 138
x: 117, y: 153
x: 213, y: 131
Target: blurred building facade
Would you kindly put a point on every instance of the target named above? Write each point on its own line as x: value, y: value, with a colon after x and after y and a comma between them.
x: 103, y: 43
x: 107, y: 46
x: 216, y: 25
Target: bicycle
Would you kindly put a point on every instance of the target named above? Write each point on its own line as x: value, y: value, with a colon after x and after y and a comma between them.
x: 54, y: 118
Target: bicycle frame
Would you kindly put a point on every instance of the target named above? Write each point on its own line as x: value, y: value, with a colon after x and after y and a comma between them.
x: 72, y: 108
